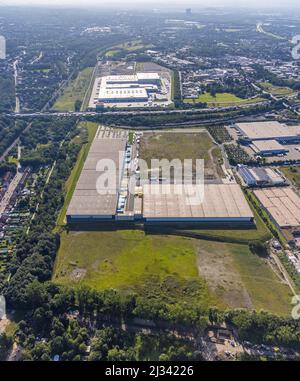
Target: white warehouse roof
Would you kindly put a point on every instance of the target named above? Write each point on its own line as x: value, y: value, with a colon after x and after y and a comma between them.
x: 267, y: 130
x: 221, y: 201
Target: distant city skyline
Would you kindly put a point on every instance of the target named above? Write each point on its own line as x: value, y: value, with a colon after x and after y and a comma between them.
x: 176, y: 4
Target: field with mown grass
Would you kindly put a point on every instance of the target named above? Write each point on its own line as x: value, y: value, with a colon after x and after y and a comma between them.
x: 75, y: 90
x: 206, y: 272
x: 222, y: 100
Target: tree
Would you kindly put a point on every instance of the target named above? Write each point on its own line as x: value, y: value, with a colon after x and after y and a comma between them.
x: 5, y: 345
x: 77, y: 105
x: 259, y: 248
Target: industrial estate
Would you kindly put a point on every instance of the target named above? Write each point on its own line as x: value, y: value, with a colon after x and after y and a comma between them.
x: 127, y: 198
x: 151, y: 203
x: 135, y: 89
x: 149, y: 185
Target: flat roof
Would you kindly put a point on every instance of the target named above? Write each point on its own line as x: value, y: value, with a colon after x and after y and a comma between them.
x: 267, y: 130
x: 268, y: 145
x: 146, y: 76
x: 125, y: 93
x: 124, y: 86
x: 282, y: 203
x: 173, y: 201
x: 91, y: 196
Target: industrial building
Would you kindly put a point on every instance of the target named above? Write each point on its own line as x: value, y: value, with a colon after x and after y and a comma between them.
x: 173, y: 203
x: 257, y: 131
x: 268, y: 148
x: 92, y: 200
x: 95, y: 200
x: 282, y: 204
x: 260, y: 176
x: 127, y: 88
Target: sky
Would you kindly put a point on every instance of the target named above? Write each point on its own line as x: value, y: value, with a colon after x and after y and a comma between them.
x: 175, y: 4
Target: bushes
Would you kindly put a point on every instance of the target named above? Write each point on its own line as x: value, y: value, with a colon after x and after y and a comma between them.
x: 5, y: 346
x: 262, y: 327
x: 177, y: 89
x: 259, y: 248
x: 237, y: 155
x: 220, y: 134
x: 35, y: 253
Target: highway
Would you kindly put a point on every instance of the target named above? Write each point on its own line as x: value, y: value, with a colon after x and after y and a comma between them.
x: 135, y: 112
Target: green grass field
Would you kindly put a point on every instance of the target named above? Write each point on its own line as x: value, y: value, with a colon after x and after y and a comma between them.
x: 223, y: 99
x: 277, y: 90
x: 292, y: 173
x: 242, y: 279
x: 74, y: 91
x: 131, y: 260
x: 129, y: 46
x: 74, y: 176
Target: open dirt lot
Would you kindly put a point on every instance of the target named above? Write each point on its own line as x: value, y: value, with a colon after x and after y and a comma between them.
x: 183, y: 145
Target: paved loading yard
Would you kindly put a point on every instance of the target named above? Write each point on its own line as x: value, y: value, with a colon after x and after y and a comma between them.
x: 283, y: 204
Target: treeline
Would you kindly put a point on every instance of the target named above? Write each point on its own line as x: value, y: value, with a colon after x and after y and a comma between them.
x: 69, y: 320
x: 7, y: 92
x: 41, y: 143
x: 230, y: 85
x: 177, y: 89
x: 220, y: 134
x: 9, y: 131
x: 35, y: 253
x: 169, y: 119
x: 266, y: 75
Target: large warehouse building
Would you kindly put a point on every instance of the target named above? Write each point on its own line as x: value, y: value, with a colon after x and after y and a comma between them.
x: 283, y: 205
x: 269, y: 131
x: 127, y: 88
x: 260, y: 176
x: 172, y: 203
x: 97, y: 201
x: 269, y: 139
x: 269, y: 148
x: 92, y: 200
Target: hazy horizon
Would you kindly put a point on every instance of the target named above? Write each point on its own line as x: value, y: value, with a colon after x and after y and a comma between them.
x: 148, y: 4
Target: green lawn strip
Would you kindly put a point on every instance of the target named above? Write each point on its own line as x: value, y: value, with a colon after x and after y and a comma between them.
x: 88, y: 93
x: 75, y: 90
x: 277, y: 90
x: 223, y: 99
x: 74, y: 176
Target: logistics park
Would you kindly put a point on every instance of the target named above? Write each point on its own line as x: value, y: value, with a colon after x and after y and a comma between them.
x: 152, y: 201
x: 126, y: 227
x: 132, y: 88
x: 107, y: 228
